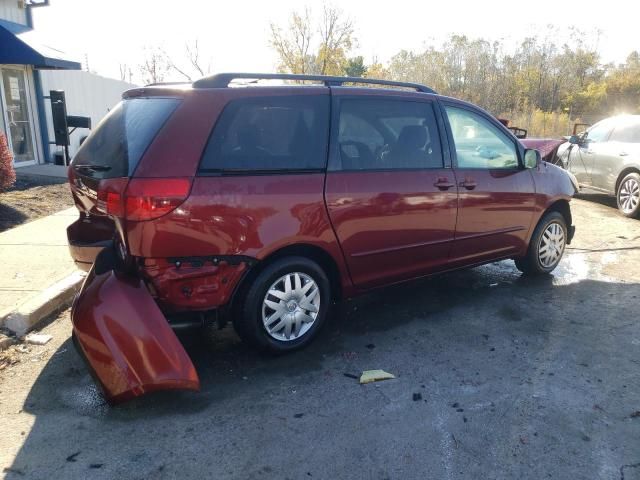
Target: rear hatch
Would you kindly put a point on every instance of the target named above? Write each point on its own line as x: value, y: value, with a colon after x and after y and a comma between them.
x: 114, y: 149
x: 100, y: 171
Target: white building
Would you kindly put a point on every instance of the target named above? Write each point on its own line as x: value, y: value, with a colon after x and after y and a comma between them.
x: 29, y: 69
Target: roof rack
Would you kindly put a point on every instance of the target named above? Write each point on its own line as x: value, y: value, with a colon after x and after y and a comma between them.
x: 222, y: 80
x: 165, y: 84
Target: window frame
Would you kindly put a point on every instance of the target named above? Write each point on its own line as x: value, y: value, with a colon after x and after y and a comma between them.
x: 226, y: 172
x: 493, y: 121
x: 335, y: 159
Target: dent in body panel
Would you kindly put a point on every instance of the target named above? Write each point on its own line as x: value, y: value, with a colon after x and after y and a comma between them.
x: 252, y: 216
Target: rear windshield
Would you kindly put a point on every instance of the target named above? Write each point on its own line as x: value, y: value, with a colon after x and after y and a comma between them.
x: 117, y: 144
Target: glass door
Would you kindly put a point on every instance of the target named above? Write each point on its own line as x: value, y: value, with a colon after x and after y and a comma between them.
x: 17, y: 114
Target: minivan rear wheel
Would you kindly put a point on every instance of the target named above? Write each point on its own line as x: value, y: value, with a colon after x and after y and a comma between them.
x: 546, y: 247
x: 285, y: 306
x: 628, y: 195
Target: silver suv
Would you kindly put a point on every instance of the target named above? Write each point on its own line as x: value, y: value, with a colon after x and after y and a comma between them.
x: 606, y: 158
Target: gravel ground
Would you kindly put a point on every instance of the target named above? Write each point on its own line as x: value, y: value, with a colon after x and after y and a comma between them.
x: 31, y: 198
x: 498, y: 376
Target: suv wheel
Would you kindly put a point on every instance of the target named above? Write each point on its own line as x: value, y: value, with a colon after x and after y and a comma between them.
x: 628, y: 195
x: 285, y: 305
x: 546, y: 247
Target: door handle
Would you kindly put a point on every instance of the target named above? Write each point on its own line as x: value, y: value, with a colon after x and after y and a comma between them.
x: 468, y: 183
x: 623, y: 154
x: 443, y: 184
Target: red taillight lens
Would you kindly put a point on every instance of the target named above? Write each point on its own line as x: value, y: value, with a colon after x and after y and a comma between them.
x: 141, y: 198
x: 148, y: 198
x: 110, y: 194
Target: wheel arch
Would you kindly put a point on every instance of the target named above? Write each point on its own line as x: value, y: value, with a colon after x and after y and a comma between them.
x: 312, y: 252
x: 626, y: 171
x: 561, y: 206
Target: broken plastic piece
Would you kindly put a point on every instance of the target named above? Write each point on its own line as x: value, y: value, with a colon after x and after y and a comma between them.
x: 38, y: 338
x: 369, y: 376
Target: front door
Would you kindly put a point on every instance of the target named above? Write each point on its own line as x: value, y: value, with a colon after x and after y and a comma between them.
x: 391, y: 196
x: 621, y: 149
x: 496, y: 194
x: 583, y: 158
x: 18, y: 120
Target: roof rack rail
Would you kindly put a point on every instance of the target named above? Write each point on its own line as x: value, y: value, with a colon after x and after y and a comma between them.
x: 222, y: 80
x: 160, y: 84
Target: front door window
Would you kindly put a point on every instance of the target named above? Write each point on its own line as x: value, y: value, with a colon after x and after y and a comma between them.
x: 19, y: 124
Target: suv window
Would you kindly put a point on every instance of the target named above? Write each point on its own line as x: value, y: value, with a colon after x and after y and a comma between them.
x: 388, y: 134
x: 599, y: 132
x: 628, y: 133
x: 122, y: 136
x: 270, y: 133
x: 479, y: 143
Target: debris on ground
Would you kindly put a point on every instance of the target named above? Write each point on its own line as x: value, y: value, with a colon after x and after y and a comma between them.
x: 417, y: 397
x: 635, y: 414
x: 8, y: 358
x: 369, y: 376
x: 72, y: 457
x: 38, y: 338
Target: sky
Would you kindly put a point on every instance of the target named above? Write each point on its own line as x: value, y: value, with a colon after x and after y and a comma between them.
x: 234, y: 35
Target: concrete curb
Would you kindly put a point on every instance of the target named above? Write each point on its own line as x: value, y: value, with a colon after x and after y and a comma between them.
x: 37, y: 308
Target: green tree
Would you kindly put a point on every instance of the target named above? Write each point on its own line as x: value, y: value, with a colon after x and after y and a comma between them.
x: 355, y: 67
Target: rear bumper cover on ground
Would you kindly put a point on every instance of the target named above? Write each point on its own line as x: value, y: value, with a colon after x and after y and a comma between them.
x: 124, y: 337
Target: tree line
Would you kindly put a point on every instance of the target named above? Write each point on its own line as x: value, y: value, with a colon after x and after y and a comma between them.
x: 539, y: 84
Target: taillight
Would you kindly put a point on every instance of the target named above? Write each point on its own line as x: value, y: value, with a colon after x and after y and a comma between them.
x: 148, y: 198
x: 110, y: 196
x: 144, y: 198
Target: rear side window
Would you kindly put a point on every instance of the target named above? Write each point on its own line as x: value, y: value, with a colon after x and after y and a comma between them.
x: 480, y: 144
x: 629, y: 133
x: 270, y: 134
x: 117, y: 144
x: 378, y: 134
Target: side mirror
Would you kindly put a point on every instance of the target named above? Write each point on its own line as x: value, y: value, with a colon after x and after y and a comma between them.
x: 531, y: 158
x: 574, y: 140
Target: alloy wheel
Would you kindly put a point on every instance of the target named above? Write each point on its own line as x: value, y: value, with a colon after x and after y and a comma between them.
x: 629, y: 195
x: 291, y: 306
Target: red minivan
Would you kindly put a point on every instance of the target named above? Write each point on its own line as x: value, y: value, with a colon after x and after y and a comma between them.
x: 229, y: 199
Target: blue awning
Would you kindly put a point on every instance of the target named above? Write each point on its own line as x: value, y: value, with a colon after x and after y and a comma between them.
x: 25, y: 48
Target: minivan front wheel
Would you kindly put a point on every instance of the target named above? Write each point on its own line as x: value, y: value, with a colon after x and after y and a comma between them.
x: 628, y: 195
x: 546, y: 247
x: 285, y: 305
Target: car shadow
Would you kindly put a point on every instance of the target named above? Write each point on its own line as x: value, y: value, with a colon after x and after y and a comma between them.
x: 601, y: 198
x: 10, y: 217
x: 85, y: 438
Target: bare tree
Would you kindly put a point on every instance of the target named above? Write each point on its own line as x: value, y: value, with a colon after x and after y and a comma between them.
x: 155, y: 66
x: 196, y: 65
x: 126, y: 75
x: 336, y: 36
x: 293, y: 44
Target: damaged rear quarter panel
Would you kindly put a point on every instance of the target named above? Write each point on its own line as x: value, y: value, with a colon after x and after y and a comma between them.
x: 244, y: 216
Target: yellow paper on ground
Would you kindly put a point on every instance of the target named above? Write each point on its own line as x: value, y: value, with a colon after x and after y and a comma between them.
x: 369, y: 376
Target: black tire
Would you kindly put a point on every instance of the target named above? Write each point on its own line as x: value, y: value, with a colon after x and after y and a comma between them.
x: 623, y: 187
x: 248, y: 321
x: 531, y: 263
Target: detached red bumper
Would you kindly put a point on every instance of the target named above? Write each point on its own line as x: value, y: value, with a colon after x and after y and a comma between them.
x: 125, y: 339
